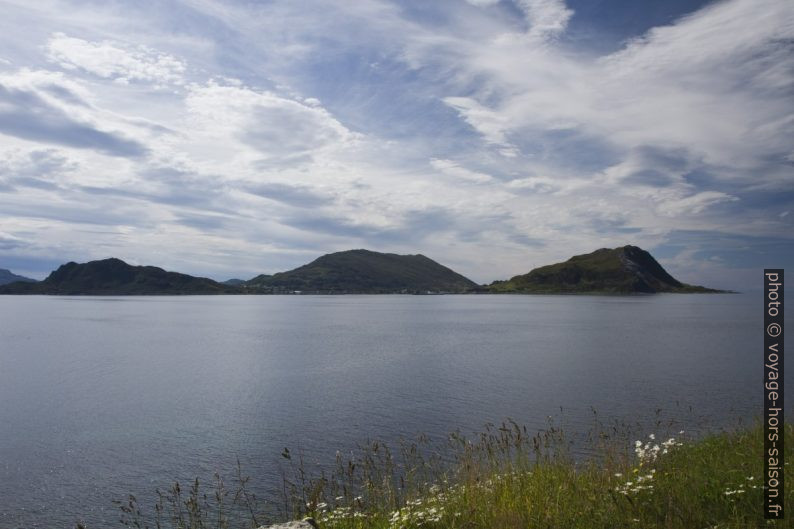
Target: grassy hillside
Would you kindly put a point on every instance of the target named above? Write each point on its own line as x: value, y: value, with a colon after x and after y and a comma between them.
x: 368, y: 272
x: 628, y: 269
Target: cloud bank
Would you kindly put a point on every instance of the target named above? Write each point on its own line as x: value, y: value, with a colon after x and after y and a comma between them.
x: 231, y: 139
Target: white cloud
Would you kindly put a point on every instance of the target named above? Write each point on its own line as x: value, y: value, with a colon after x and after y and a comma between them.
x: 228, y: 122
x: 453, y: 169
x: 490, y: 123
x: 546, y: 18
x: 47, y: 107
x: 483, y: 3
x: 708, y: 96
x: 695, y: 84
x: 278, y: 160
x: 694, y: 204
x: 47, y: 164
x: 537, y: 184
x: 54, y: 87
x: 114, y: 60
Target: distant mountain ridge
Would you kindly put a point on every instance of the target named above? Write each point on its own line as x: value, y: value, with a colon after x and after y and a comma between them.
x: 115, y: 277
x: 7, y: 276
x: 365, y: 271
x: 624, y: 270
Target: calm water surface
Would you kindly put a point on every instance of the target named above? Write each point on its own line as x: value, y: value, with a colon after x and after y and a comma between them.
x: 100, y: 397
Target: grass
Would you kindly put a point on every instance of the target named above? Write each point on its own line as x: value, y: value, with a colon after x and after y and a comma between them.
x: 505, y: 478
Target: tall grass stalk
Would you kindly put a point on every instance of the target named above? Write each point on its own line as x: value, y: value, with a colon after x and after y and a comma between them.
x: 505, y: 477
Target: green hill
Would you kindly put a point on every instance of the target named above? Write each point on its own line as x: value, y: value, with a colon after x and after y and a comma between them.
x: 364, y: 271
x: 115, y: 277
x: 628, y: 269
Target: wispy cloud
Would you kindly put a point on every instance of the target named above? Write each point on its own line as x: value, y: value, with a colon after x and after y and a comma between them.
x: 274, y: 131
x: 40, y: 107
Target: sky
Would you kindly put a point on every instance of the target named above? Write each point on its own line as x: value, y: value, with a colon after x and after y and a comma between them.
x: 230, y: 139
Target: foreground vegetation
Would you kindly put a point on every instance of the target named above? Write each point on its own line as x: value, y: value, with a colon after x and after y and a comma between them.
x: 506, y: 478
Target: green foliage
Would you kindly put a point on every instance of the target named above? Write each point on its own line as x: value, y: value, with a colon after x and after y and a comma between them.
x: 508, y: 478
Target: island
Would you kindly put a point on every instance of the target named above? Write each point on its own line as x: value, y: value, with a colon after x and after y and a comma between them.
x: 7, y: 276
x: 115, y: 277
x: 623, y: 270
x: 365, y: 272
